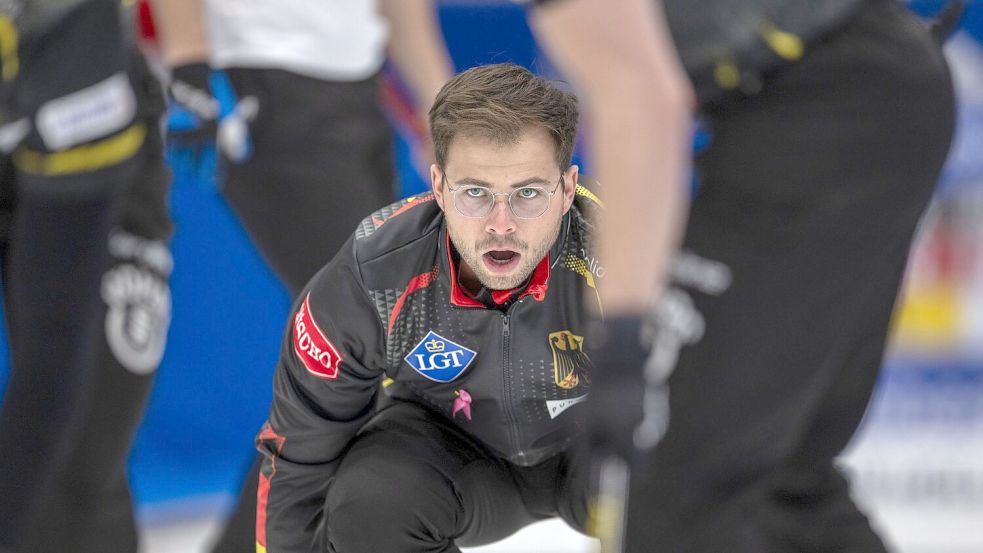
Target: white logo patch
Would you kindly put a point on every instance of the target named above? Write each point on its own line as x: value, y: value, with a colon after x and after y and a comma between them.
x: 90, y: 113
x: 557, y: 406
x: 139, y: 315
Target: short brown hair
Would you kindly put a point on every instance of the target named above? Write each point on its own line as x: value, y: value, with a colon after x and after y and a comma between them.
x: 498, y: 101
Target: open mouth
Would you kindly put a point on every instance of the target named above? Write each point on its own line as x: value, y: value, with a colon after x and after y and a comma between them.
x: 501, y: 260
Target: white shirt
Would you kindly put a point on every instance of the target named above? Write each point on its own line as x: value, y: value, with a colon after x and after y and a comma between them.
x: 339, y: 40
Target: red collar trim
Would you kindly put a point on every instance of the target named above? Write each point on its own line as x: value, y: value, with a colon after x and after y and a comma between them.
x: 539, y: 281
x: 536, y: 286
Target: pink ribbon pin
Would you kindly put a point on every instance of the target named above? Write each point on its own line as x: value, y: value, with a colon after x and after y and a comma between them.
x: 462, y: 403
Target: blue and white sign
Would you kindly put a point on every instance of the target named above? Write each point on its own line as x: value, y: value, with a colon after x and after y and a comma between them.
x: 439, y: 359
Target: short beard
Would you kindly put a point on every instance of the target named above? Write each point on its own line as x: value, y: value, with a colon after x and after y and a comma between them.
x: 530, y: 258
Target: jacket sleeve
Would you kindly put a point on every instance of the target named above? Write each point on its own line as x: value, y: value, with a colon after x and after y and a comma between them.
x: 326, y: 379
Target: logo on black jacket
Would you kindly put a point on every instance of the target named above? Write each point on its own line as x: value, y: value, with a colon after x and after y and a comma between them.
x: 571, y: 366
x: 439, y: 359
x: 138, y: 314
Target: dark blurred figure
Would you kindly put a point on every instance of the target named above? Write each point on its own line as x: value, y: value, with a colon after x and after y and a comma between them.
x: 758, y: 343
x: 83, y: 231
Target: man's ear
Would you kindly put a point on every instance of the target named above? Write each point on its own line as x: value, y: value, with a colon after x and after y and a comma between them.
x: 437, y: 184
x: 570, y: 177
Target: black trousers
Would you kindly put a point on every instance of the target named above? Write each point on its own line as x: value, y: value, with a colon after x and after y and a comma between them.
x: 411, y: 482
x: 322, y: 161
x: 87, y: 305
x: 791, y: 264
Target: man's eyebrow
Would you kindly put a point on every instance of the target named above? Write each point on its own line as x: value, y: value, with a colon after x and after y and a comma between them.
x: 471, y: 181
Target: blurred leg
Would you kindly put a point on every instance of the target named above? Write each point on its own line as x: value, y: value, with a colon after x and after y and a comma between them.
x: 56, y: 258
x: 809, y: 495
x: 239, y: 535
x: 811, y: 193
x: 91, y: 499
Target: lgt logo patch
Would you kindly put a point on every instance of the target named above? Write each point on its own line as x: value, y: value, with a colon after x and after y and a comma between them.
x: 439, y: 359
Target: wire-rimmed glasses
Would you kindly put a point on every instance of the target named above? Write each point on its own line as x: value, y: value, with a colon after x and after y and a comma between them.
x: 526, y: 202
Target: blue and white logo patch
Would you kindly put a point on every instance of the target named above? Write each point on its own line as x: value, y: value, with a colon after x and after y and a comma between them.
x: 439, y: 359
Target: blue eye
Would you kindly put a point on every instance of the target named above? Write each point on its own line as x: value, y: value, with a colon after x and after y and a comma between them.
x: 528, y: 193
x: 475, y: 192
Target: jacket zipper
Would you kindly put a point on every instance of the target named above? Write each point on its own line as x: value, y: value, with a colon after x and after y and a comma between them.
x: 507, y: 380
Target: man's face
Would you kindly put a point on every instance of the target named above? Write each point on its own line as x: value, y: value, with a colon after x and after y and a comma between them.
x: 500, y: 250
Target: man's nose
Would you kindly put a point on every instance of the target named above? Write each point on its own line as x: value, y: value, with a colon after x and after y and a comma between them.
x: 501, y: 220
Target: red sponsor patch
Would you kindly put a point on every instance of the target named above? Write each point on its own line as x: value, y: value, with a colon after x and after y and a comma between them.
x: 312, y: 347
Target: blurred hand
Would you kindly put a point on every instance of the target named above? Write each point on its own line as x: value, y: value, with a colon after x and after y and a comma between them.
x: 615, y: 410
x: 615, y: 406
x: 205, y: 118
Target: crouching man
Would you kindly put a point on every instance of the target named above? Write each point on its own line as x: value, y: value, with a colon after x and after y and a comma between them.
x: 463, y: 308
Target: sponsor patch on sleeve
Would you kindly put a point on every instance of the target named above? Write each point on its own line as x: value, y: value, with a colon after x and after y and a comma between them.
x: 312, y: 347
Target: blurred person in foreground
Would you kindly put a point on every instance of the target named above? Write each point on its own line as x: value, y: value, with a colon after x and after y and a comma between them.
x: 289, y: 91
x: 83, y: 232
x: 759, y: 340
x: 468, y: 306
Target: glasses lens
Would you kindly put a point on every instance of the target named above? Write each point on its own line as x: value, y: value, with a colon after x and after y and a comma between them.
x: 473, y: 201
x: 529, y: 202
